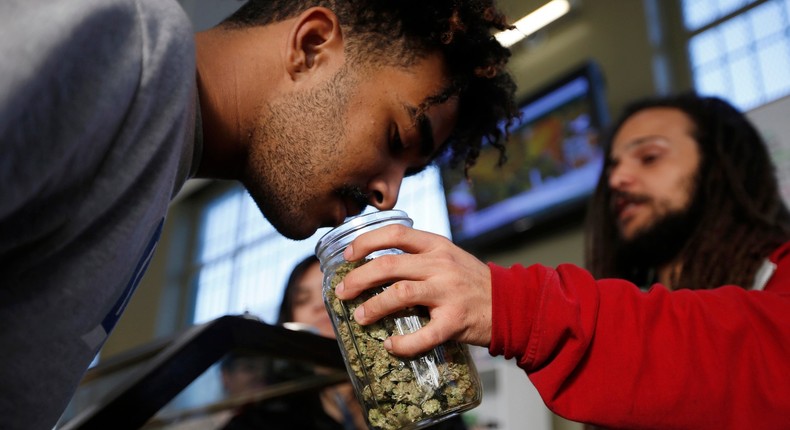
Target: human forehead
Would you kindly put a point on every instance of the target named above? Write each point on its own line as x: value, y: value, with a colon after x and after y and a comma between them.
x: 311, y: 276
x: 658, y: 126
x: 411, y: 89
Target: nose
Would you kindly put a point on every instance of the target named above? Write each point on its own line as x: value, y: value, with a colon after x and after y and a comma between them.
x: 384, y: 188
x: 620, y: 177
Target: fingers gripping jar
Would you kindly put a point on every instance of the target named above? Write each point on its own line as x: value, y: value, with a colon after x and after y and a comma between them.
x: 395, y: 393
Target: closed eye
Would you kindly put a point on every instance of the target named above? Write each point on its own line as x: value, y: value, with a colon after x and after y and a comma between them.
x: 397, y: 147
x: 301, y: 298
x: 648, y: 159
x: 395, y: 143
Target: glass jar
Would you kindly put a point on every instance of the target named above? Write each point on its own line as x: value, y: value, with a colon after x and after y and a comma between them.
x: 395, y: 393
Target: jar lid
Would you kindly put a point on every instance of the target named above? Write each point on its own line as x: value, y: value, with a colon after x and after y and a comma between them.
x: 337, y: 239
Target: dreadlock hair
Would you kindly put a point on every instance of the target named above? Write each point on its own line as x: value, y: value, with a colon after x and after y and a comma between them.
x: 399, y: 33
x: 742, y: 219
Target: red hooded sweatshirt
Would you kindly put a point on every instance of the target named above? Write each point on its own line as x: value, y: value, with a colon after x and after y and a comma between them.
x: 604, y: 352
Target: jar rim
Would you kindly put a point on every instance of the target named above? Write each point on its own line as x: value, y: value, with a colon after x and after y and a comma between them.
x: 354, y: 225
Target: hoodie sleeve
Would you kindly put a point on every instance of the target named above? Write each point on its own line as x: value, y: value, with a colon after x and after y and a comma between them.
x: 604, y: 352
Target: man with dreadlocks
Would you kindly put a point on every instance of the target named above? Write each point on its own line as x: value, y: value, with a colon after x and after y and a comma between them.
x: 107, y: 106
x: 683, y: 173
x: 688, y: 198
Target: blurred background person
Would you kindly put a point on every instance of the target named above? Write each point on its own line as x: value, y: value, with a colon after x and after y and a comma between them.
x: 688, y: 198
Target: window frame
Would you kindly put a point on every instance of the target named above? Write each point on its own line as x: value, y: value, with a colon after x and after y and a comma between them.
x: 678, y: 41
x: 188, y: 265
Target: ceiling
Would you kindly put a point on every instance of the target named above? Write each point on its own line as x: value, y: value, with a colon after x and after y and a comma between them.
x: 515, y: 9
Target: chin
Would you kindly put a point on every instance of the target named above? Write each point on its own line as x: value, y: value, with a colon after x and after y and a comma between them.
x: 629, y: 234
x: 298, y: 234
x: 293, y: 228
x: 626, y: 234
x: 326, y: 330
x: 633, y: 228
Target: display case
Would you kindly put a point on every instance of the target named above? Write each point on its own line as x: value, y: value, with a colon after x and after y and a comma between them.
x: 130, y: 392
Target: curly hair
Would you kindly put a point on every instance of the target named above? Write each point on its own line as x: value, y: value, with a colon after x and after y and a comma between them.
x: 743, y: 217
x: 398, y: 33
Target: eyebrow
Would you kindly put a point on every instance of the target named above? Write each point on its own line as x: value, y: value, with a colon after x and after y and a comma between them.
x: 646, y: 139
x: 639, y: 142
x: 424, y: 129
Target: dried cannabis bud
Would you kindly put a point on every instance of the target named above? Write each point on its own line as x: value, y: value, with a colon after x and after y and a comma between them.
x: 399, y: 393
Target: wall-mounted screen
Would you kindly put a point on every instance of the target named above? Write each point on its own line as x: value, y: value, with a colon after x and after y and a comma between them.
x: 553, y: 162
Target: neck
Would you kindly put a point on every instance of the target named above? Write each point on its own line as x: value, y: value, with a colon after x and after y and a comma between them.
x: 218, y: 108
x: 667, y: 272
x: 233, y: 81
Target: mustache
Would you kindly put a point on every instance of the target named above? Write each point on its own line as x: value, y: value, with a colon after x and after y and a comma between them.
x: 620, y: 198
x: 356, y: 195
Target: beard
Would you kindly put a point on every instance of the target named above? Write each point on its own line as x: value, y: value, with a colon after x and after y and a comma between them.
x: 661, y: 241
x: 295, y: 147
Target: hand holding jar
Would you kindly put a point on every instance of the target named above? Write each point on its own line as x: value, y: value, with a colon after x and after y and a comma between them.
x: 454, y: 286
x: 397, y: 392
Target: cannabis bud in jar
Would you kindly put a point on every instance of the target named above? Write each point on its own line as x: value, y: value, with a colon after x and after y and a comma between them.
x: 395, y: 393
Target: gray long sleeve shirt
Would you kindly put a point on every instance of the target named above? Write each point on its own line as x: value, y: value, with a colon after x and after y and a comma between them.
x: 97, y: 119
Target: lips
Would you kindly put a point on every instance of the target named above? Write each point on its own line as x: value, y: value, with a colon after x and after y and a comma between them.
x: 624, y: 205
x: 353, y: 207
x: 346, y: 208
x: 620, y: 204
x: 627, y: 211
x: 337, y: 216
x: 354, y: 200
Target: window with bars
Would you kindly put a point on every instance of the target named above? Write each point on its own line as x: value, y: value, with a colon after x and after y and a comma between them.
x: 739, y: 49
x: 241, y: 263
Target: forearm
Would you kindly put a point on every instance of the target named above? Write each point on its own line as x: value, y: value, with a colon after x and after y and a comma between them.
x: 604, y: 352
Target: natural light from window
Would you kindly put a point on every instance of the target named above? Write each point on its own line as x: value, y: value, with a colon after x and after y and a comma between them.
x: 744, y: 59
x: 243, y: 263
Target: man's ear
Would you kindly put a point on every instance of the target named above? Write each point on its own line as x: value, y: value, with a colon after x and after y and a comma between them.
x: 315, y: 40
